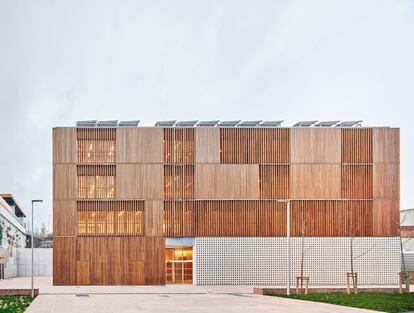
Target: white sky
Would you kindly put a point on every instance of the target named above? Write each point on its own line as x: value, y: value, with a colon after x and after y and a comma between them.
x: 63, y: 61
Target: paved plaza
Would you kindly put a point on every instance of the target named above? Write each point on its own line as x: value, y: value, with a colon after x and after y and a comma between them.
x: 169, y: 298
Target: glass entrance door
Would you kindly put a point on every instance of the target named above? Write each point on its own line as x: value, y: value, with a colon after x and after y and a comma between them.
x: 179, y: 265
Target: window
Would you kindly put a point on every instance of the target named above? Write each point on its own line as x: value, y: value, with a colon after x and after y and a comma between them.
x: 110, y: 218
x: 96, y: 145
x: 96, y: 181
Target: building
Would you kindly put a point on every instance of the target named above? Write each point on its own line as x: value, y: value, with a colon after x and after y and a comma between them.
x: 12, y: 223
x: 407, y: 229
x: 206, y: 202
x: 12, y: 234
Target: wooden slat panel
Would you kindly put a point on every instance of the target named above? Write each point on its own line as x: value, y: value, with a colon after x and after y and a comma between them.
x: 248, y: 218
x: 315, y: 145
x: 64, y: 261
x: 387, y: 181
x: 357, y: 182
x: 179, y: 147
x: 82, y: 273
x: 140, y: 181
x: 327, y: 218
x: 96, y: 145
x: 207, y: 141
x: 139, y: 145
x: 111, y: 218
x: 64, y: 145
x: 386, y: 145
x: 64, y: 181
x: 155, y: 261
x: 274, y: 181
x: 226, y: 181
x: 154, y: 216
x: 356, y: 145
x: 110, y: 261
x: 64, y: 218
x: 178, y: 181
x: 96, y: 181
x: 386, y: 217
x: 137, y: 273
x: 254, y: 145
x: 315, y: 181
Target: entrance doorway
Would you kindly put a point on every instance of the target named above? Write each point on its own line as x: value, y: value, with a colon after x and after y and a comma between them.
x: 179, y: 265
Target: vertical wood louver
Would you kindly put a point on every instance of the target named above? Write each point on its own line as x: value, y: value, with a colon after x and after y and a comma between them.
x: 96, y: 181
x: 110, y: 218
x: 357, y: 182
x: 356, y: 145
x: 252, y: 218
x: 178, y: 181
x: 274, y: 181
x: 96, y: 145
x: 251, y: 145
x: 179, y: 145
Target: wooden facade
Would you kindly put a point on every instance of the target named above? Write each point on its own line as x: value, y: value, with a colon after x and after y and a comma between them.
x: 118, y: 192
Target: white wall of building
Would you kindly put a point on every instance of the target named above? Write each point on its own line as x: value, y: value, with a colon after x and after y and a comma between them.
x: 10, y: 267
x: 9, y: 228
x: 43, y: 262
x: 262, y: 260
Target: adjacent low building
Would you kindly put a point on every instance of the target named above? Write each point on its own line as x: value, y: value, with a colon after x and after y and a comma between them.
x: 206, y: 203
x: 407, y: 229
x: 12, y: 234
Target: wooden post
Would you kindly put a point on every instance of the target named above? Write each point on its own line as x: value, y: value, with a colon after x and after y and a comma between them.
x: 297, y: 285
x: 406, y: 276
x: 354, y: 277
x: 301, y: 280
x: 356, y: 283
x: 306, y: 286
x: 348, y: 291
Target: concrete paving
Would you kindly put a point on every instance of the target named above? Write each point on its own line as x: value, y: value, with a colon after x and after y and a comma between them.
x: 169, y: 298
x: 126, y: 303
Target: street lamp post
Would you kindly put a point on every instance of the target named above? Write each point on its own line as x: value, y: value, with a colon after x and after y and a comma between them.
x: 288, y: 245
x: 33, y: 201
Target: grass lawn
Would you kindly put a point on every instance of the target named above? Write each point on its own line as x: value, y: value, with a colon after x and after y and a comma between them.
x: 14, y: 304
x: 385, y: 302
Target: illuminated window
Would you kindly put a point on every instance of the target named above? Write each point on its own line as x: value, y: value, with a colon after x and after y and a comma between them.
x: 96, y: 145
x: 82, y: 222
x: 96, y: 181
x: 91, y: 222
x: 179, y: 146
x: 178, y: 181
x: 105, y: 218
x: 110, y: 222
x: 100, y: 222
x: 121, y: 222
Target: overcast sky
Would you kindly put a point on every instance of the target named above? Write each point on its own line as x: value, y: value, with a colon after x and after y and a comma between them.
x: 63, y: 61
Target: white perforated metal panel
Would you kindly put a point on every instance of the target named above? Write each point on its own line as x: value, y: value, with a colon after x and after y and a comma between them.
x: 262, y: 260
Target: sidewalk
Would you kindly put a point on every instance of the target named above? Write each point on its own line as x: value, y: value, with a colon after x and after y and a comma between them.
x: 44, y: 283
x: 170, y: 298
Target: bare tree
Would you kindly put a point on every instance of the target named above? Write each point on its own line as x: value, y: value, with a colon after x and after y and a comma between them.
x: 404, y: 274
x: 301, y: 278
x: 354, y: 276
x: 302, y: 252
